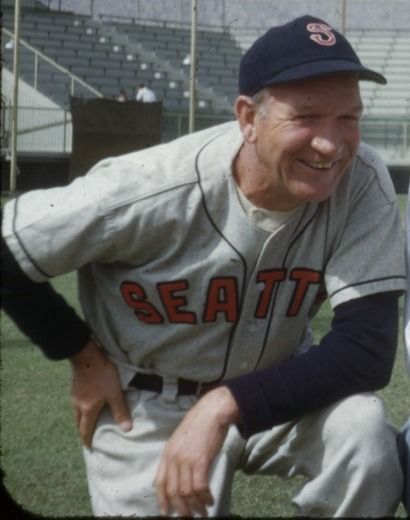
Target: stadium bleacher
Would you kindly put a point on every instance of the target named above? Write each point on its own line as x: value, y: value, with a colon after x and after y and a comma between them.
x: 387, y: 51
x: 118, y: 56
x: 111, y: 55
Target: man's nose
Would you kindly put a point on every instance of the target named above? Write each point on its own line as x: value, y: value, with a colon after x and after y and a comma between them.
x: 326, y: 141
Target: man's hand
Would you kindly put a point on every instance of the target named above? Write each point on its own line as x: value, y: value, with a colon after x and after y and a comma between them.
x: 182, y: 478
x: 95, y: 382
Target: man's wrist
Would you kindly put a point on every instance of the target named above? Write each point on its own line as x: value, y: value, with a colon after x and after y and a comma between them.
x: 222, y: 403
x: 87, y: 354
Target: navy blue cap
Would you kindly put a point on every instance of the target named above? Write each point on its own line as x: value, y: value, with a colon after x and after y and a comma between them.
x: 300, y: 49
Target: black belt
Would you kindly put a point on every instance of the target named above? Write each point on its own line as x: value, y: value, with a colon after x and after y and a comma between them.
x: 155, y: 383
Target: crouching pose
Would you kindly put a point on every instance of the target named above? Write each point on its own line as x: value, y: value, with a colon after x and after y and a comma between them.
x: 200, y: 265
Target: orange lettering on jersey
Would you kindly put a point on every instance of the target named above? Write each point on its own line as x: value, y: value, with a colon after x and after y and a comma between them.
x: 172, y: 303
x: 303, y: 278
x: 269, y: 278
x: 135, y: 297
x: 222, y: 297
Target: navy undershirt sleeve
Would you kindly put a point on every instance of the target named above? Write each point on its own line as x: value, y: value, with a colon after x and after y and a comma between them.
x: 357, y: 355
x: 40, y: 312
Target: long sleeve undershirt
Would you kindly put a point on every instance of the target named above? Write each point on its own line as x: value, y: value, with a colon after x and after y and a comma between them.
x: 356, y: 355
x: 40, y: 312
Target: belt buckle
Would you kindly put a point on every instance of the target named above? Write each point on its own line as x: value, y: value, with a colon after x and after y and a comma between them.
x: 169, y: 389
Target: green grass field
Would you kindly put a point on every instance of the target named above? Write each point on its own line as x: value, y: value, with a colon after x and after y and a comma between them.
x: 41, y: 456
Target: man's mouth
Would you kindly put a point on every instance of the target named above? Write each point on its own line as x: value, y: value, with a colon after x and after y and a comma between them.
x: 319, y: 165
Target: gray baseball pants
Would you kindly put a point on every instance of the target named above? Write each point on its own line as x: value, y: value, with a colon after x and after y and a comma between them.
x: 346, y: 451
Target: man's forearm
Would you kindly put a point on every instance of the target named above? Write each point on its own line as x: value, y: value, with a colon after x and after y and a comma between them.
x: 356, y: 356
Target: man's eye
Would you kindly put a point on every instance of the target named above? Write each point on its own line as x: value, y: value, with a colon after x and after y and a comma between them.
x: 350, y: 120
x: 307, y: 117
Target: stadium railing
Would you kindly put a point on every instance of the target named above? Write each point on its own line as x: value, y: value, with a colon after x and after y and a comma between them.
x: 74, y: 83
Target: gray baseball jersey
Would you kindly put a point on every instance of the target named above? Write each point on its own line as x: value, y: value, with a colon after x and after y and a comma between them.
x: 173, y: 276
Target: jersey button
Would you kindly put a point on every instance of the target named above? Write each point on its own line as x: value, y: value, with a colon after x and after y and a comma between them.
x: 243, y: 366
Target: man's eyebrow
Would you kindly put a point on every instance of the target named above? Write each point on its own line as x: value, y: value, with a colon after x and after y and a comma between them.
x: 309, y: 107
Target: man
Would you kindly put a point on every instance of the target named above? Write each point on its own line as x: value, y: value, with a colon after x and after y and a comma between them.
x: 201, y: 263
x: 122, y: 96
x: 145, y: 94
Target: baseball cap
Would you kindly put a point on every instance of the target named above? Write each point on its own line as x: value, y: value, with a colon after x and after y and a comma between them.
x: 302, y: 48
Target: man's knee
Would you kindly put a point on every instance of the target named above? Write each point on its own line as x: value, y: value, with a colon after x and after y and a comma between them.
x: 356, y: 470
x: 362, y: 430
x: 358, y: 416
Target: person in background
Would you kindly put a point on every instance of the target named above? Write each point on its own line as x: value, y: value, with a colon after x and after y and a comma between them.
x: 122, y: 96
x: 145, y: 94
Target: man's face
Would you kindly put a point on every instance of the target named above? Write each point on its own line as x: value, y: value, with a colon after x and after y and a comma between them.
x: 305, y: 135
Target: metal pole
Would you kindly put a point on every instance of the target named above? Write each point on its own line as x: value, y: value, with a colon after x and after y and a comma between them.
x: 35, y: 70
x: 13, y: 162
x: 344, y: 8
x: 65, y: 130
x: 192, y: 79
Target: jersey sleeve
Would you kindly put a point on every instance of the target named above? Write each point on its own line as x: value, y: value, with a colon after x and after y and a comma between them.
x: 57, y: 230
x: 367, y: 257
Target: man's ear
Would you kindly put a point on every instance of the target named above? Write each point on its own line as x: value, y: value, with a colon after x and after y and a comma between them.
x: 245, y: 111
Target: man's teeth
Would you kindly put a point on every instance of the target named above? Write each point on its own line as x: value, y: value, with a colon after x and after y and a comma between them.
x: 320, y: 165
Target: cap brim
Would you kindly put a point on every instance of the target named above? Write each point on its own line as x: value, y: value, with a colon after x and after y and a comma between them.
x: 310, y: 70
